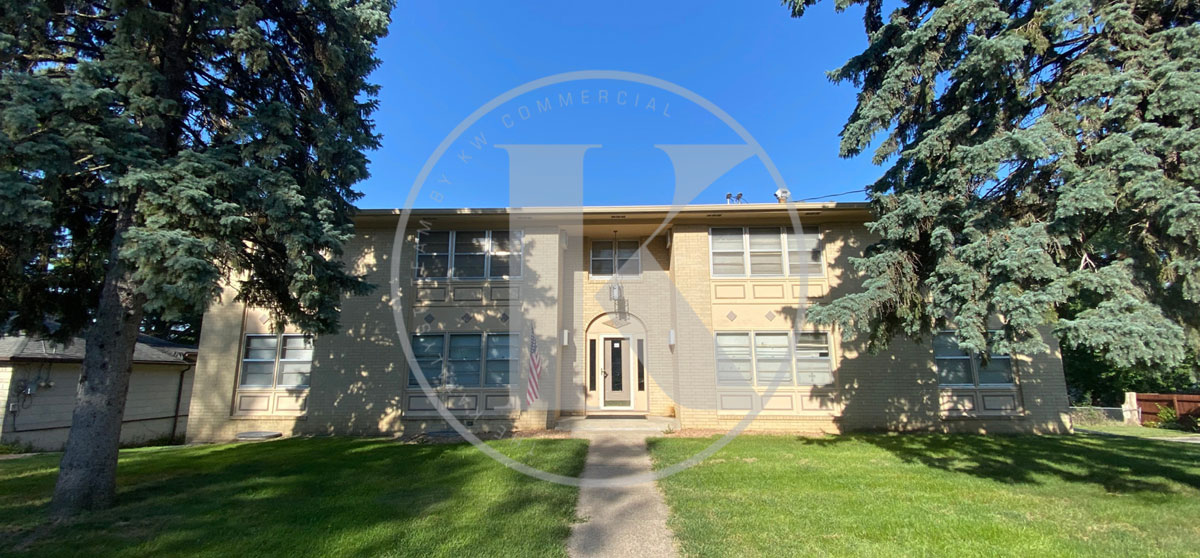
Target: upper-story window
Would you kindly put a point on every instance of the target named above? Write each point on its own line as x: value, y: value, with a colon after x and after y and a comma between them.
x: 765, y: 252
x: 469, y: 255
x: 616, y: 257
x: 958, y: 368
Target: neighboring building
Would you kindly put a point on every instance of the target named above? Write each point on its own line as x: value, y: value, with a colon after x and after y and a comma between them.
x: 698, y: 323
x: 38, y: 380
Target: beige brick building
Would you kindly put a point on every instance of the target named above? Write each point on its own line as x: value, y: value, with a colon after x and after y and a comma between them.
x: 694, y: 312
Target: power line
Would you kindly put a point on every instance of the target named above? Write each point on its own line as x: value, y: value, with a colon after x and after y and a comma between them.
x: 832, y: 195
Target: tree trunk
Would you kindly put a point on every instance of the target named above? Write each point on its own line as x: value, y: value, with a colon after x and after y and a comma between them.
x: 87, y: 474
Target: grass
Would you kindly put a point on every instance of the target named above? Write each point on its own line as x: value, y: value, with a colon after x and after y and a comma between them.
x: 305, y: 497
x: 935, y: 495
x: 1139, y: 431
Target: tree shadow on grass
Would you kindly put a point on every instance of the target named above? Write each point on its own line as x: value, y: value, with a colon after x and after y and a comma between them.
x: 292, y: 497
x: 1119, y: 465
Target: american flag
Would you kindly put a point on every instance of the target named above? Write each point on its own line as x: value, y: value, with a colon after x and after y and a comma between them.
x: 535, y: 370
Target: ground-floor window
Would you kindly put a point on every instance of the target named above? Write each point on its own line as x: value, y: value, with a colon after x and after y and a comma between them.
x: 958, y: 368
x: 465, y: 359
x: 774, y: 358
x: 274, y: 375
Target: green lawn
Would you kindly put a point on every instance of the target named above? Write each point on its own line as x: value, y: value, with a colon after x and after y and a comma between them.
x: 306, y: 497
x: 929, y: 495
x: 1138, y: 431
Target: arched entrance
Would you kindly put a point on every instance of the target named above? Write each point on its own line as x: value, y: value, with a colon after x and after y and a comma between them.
x: 615, y: 367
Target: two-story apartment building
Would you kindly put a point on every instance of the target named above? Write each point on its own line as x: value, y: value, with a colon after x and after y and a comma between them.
x: 692, y: 312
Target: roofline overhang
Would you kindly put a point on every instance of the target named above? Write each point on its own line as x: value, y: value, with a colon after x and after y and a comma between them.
x: 850, y: 211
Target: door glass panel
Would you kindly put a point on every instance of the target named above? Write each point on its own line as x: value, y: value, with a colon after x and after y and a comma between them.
x: 617, y: 373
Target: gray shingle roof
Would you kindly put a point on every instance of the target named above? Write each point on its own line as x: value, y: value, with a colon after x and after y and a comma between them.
x: 148, y: 350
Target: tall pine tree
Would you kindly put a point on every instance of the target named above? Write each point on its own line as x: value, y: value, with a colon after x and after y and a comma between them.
x: 150, y: 151
x: 1037, y: 153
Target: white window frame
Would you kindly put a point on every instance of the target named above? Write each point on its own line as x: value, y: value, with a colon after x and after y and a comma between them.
x: 973, y: 365
x: 484, y: 252
x: 615, y: 260
x: 752, y: 336
x: 277, y: 362
x: 515, y: 236
x: 444, y: 359
x: 746, y: 250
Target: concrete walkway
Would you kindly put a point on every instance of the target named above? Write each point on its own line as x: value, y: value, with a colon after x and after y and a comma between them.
x: 625, y: 520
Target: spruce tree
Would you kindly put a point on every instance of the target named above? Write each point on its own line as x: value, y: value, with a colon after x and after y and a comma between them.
x: 152, y: 153
x: 1036, y: 153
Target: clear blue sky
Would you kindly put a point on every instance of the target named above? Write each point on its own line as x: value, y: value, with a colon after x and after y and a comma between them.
x: 444, y: 60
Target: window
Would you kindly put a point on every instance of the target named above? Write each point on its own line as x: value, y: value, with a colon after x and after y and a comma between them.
x: 804, y: 252
x: 622, y: 257
x: 501, y: 358
x: 469, y: 255
x: 773, y: 358
x: 734, y: 365
x: 765, y: 252
x: 772, y: 362
x: 464, y: 359
x: 276, y: 361
x: 428, y: 351
x: 506, y: 254
x: 433, y: 254
x: 956, y: 367
x: 728, y: 248
x: 813, y: 363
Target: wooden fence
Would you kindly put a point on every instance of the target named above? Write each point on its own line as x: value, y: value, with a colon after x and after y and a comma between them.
x: 1184, y: 405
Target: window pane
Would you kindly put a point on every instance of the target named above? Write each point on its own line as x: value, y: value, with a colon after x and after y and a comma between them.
x: 467, y: 242
x: 997, y: 371
x: 501, y: 266
x: 728, y: 263
x: 798, y: 267
x: 733, y: 372
x: 464, y: 346
x: 431, y: 369
x: 258, y: 374
x: 433, y: 267
x: 498, y: 372
x: 771, y: 345
x: 812, y: 344
x: 602, y: 267
x: 727, y: 240
x: 262, y: 348
x: 503, y: 241
x: 628, y: 249
x: 427, y: 346
x: 766, y: 263
x: 733, y: 345
x: 464, y: 373
x: 765, y: 239
x: 499, y: 346
x: 945, y: 345
x: 468, y: 266
x: 602, y: 249
x: 811, y: 239
x: 297, y: 347
x: 771, y: 371
x: 433, y: 242
x: 954, y: 371
x: 294, y: 374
